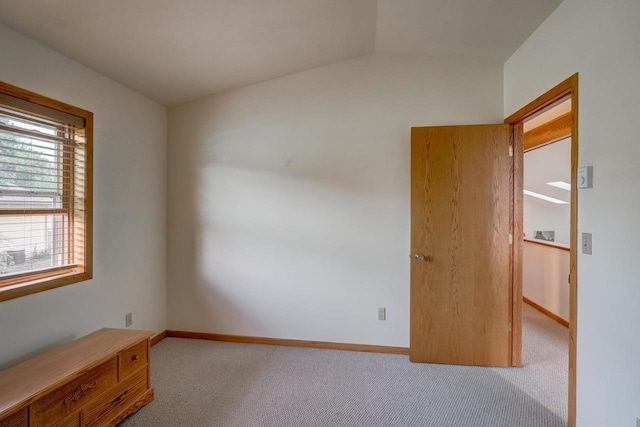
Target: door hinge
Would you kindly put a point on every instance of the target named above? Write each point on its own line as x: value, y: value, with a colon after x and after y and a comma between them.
x: 511, y: 151
x: 510, y: 239
x: 509, y: 326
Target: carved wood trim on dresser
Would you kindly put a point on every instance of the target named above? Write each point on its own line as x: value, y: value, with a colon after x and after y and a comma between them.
x: 97, y: 380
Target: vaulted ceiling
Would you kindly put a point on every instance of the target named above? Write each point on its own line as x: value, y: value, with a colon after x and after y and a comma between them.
x: 174, y: 51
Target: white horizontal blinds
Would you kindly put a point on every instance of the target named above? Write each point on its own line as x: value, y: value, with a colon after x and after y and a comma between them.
x: 78, y: 204
x: 42, y: 208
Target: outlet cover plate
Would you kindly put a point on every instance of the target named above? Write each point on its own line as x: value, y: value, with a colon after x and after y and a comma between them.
x: 128, y: 320
x: 382, y: 313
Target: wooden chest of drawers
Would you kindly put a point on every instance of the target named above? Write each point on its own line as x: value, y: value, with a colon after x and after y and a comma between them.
x: 97, y: 380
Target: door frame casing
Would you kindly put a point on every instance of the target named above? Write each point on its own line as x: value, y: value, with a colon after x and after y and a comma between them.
x: 568, y: 87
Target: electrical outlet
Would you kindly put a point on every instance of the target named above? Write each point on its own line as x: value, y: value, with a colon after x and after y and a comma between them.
x: 128, y: 320
x: 382, y: 313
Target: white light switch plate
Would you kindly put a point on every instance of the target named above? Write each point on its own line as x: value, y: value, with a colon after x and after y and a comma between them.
x: 587, y: 243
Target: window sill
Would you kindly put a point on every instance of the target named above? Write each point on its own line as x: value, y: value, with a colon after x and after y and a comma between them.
x: 18, y: 290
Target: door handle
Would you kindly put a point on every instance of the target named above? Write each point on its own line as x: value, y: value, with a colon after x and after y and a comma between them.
x: 419, y: 257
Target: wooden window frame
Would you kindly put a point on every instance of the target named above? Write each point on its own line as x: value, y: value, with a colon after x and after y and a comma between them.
x: 38, y: 281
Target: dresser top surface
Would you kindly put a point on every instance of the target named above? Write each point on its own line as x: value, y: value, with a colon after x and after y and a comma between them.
x: 33, y: 378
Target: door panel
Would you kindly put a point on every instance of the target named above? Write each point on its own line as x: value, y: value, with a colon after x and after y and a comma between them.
x: 460, y: 221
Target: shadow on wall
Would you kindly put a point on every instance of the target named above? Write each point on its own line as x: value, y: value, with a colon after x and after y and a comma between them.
x: 342, y: 158
x: 296, y: 196
x: 270, y: 248
x: 287, y: 225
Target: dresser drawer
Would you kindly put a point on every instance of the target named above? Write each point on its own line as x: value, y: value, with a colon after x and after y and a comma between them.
x: 100, y: 412
x: 59, y: 404
x: 132, y: 359
x: 18, y: 419
x: 71, y: 420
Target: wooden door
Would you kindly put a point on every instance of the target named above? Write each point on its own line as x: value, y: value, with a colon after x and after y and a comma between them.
x: 461, y: 220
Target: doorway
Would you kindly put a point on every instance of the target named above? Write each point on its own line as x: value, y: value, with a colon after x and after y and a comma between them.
x: 467, y: 237
x: 547, y: 212
x: 567, y: 89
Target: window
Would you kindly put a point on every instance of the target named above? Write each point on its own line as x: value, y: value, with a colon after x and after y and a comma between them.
x: 45, y: 193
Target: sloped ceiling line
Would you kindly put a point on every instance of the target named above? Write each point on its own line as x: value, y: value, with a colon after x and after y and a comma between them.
x: 175, y: 51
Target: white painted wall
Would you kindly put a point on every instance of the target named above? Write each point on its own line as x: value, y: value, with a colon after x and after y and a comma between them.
x: 600, y: 40
x: 548, y: 164
x: 545, y: 278
x: 289, y: 200
x: 129, y: 208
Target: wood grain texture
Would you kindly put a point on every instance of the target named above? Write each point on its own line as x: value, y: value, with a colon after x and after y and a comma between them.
x: 548, y: 244
x: 101, y: 411
x: 546, y: 312
x: 41, y: 274
x: 26, y: 382
x: 132, y: 359
x: 18, y: 419
x: 518, y: 244
x: 42, y: 284
x: 156, y: 339
x: 289, y: 343
x: 567, y: 88
x: 552, y: 131
x: 460, y: 220
x: 71, y: 420
x: 67, y: 399
x: 143, y: 400
x: 148, y: 364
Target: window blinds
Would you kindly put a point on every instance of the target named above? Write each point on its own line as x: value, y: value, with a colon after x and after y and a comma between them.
x: 42, y: 189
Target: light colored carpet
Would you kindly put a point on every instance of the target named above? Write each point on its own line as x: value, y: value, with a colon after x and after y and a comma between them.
x: 205, y: 383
